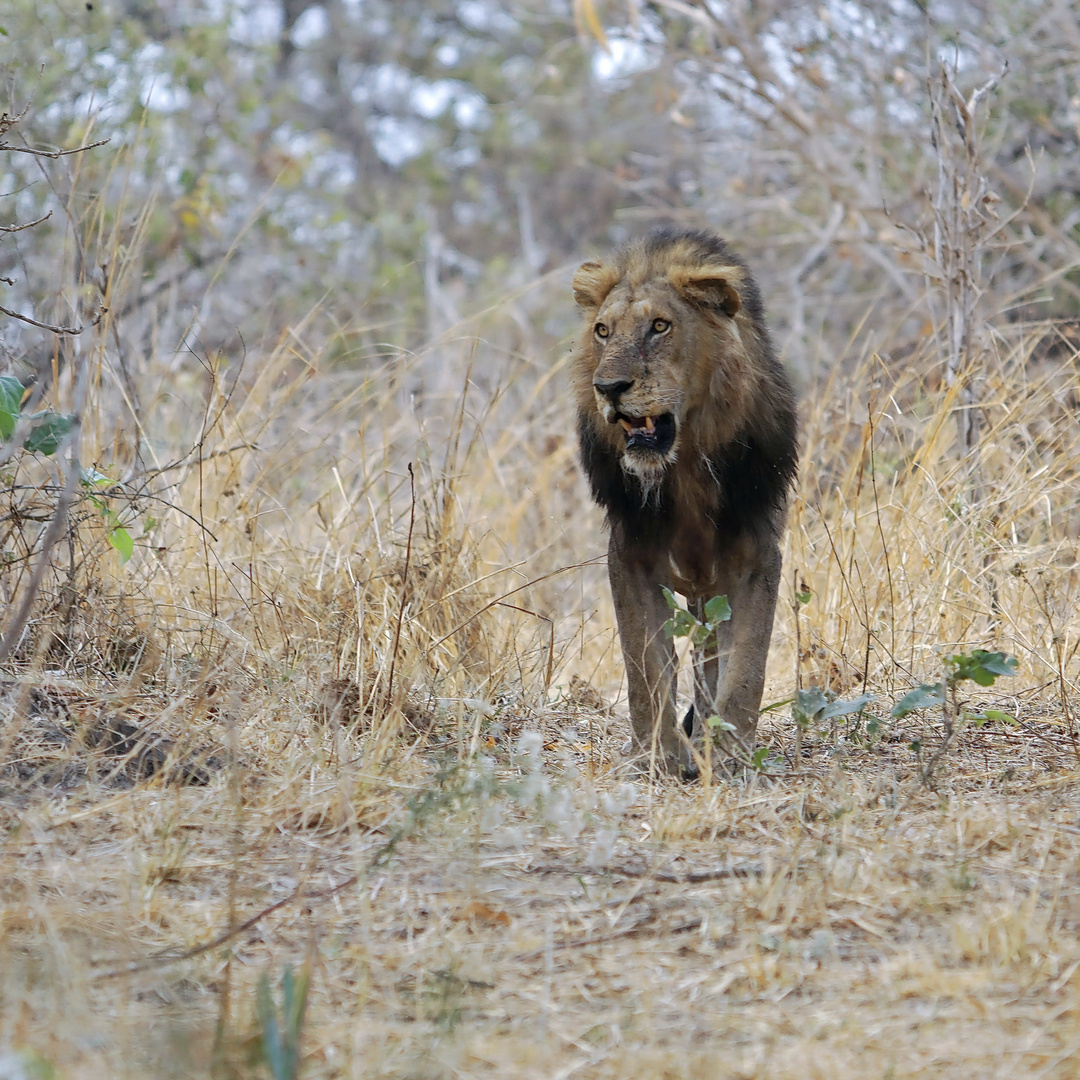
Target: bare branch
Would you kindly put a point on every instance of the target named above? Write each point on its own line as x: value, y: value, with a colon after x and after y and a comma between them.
x: 44, y: 326
x: 28, y: 225
x: 7, y: 121
x: 990, y: 84
x: 51, y: 153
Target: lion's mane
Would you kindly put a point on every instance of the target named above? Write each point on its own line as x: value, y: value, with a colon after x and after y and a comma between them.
x: 738, y: 454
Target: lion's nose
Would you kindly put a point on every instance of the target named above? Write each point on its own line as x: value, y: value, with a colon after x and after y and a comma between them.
x: 612, y: 390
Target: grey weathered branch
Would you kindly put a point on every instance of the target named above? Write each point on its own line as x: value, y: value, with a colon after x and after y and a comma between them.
x: 54, y: 154
x: 26, y: 225
x: 42, y: 325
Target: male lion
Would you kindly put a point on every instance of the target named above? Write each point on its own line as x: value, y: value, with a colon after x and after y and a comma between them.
x: 687, y: 428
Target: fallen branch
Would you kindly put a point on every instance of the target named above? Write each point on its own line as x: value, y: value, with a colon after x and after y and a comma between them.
x: 614, y: 935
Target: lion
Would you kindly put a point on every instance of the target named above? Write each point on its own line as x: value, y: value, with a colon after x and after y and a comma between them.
x: 687, y: 427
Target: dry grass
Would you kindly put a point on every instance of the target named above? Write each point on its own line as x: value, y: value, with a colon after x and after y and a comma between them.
x: 402, y: 691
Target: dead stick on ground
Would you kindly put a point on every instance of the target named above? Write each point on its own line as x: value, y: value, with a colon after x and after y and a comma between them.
x: 691, y: 877
x: 429, y: 801
x: 227, y: 935
x: 599, y: 939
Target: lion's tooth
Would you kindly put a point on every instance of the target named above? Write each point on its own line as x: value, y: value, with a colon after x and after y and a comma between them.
x: 650, y: 425
x: 626, y: 424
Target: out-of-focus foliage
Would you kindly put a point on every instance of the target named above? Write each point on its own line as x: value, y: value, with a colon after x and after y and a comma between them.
x: 391, y: 164
x: 385, y: 159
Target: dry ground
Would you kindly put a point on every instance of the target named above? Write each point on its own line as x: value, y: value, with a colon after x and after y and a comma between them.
x: 386, y: 729
x: 843, y: 923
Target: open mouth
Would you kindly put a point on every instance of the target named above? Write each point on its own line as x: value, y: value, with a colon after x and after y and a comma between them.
x: 655, y: 433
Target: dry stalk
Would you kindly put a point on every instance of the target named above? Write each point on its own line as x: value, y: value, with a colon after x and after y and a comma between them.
x: 388, y: 701
x: 964, y: 222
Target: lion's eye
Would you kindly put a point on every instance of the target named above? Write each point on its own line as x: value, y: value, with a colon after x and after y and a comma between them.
x: 660, y: 326
x: 601, y: 330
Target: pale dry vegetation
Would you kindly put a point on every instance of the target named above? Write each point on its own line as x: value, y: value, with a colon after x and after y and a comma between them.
x: 354, y: 709
x: 474, y: 882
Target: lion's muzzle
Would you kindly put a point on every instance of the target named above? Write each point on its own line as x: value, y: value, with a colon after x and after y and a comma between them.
x: 649, y: 433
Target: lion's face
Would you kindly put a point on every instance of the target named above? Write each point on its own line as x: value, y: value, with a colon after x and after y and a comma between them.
x: 652, y: 347
x: 637, y: 383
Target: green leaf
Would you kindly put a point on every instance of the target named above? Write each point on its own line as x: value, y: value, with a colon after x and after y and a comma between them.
x: 717, y: 724
x: 281, y: 1036
x: 774, y: 705
x: 681, y: 624
x: 846, y: 708
x: 1001, y: 717
x: 804, y: 597
x: 11, y: 395
x: 997, y: 662
x: 48, y: 433
x: 91, y: 477
x: 295, y: 1006
x: 271, y: 1036
x: 981, y: 666
x: 808, y: 703
x: 717, y: 610
x: 759, y: 758
x: 120, y: 539
x: 922, y: 697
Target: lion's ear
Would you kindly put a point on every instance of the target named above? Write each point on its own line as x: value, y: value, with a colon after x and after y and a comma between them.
x: 592, y: 282
x: 713, y: 286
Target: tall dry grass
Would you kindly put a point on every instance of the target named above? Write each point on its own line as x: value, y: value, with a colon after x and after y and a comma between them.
x: 371, y: 607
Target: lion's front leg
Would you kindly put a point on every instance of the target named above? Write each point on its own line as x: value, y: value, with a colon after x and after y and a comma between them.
x: 730, y: 674
x: 649, y: 656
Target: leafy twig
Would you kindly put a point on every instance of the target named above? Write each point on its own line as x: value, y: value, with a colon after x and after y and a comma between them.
x: 981, y: 667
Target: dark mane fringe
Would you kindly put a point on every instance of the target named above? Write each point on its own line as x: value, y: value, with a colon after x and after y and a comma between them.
x: 751, y: 488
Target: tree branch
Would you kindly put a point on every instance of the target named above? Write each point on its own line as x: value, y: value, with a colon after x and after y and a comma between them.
x: 51, y: 153
x: 44, y: 326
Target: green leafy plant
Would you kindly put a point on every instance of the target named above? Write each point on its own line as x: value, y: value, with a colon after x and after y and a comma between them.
x: 96, y: 487
x: 978, y: 666
x: 43, y: 433
x: 814, y: 706
x: 757, y: 758
x: 280, y: 1035
x: 683, y: 623
x: 981, y: 667
x: 46, y: 430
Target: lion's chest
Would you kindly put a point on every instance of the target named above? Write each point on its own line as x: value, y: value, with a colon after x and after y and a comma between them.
x: 692, y: 558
